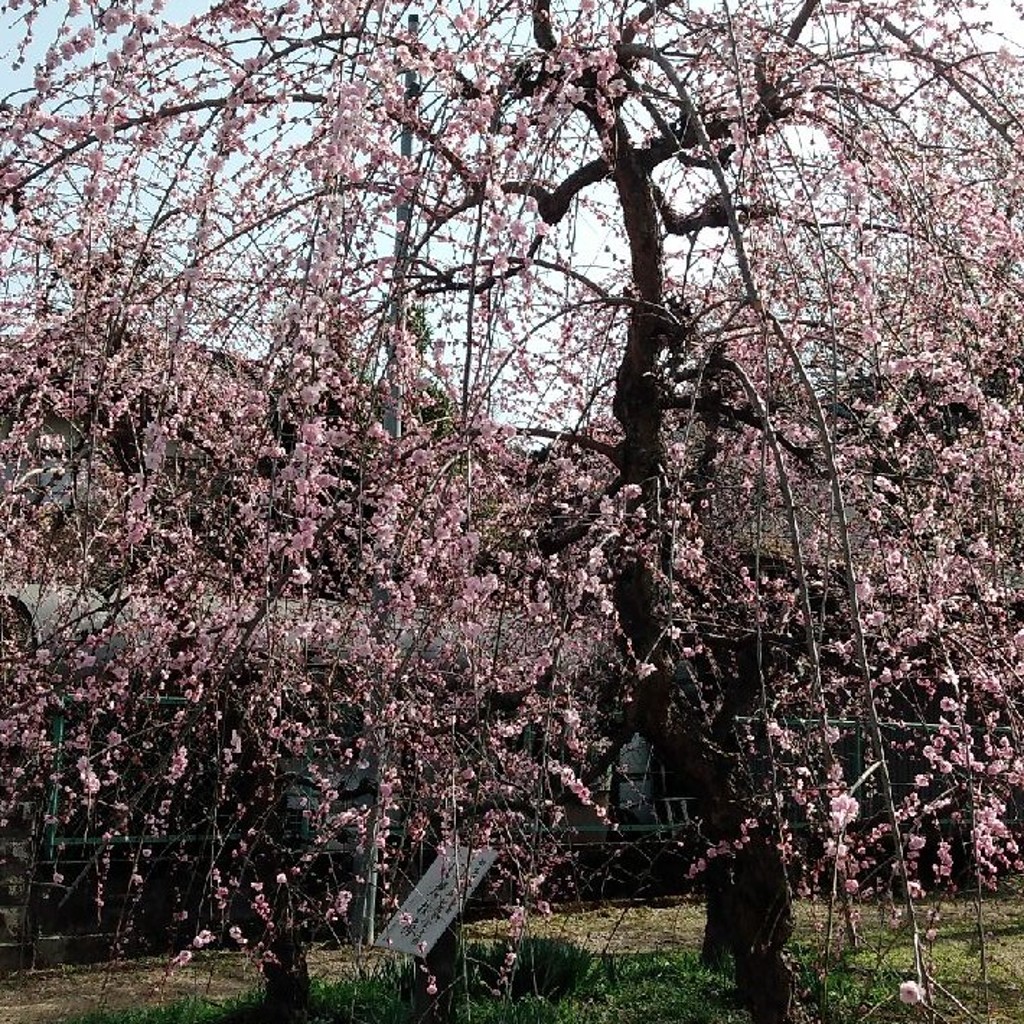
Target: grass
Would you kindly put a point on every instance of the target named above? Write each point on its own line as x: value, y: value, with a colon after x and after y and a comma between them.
x: 552, y: 983
x: 184, y: 1011
x: 560, y: 983
x: 545, y: 968
x: 852, y: 989
x: 629, y: 963
x: 379, y: 998
x: 660, y: 988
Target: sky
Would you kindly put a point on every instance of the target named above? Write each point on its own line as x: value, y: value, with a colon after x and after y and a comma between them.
x: 600, y: 243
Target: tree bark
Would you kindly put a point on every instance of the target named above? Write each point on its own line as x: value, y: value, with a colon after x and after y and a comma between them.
x: 761, y: 915
x: 262, y: 789
x: 749, y: 900
x: 286, y: 977
x: 437, y: 972
x: 717, y: 927
x: 750, y: 906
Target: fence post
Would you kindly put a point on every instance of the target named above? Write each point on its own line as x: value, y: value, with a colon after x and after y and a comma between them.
x: 17, y: 938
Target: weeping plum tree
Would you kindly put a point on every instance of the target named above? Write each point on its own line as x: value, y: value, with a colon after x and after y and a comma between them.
x: 722, y: 308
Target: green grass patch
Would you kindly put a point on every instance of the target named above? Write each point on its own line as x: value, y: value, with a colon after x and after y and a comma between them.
x: 857, y: 985
x: 864, y: 983
x: 379, y: 998
x: 184, y: 1011
x: 660, y: 988
x: 555, y: 982
x: 550, y: 982
x: 544, y: 968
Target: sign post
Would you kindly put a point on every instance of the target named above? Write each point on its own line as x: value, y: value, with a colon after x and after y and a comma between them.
x: 424, y: 927
x: 436, y: 900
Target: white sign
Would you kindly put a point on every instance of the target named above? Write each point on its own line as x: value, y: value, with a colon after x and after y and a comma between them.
x: 436, y: 900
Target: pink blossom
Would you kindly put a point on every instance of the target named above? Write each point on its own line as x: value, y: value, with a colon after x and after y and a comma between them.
x: 843, y: 810
x: 910, y: 993
x: 333, y: 529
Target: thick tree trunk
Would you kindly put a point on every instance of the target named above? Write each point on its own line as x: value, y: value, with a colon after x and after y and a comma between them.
x: 761, y: 917
x: 286, y: 977
x: 434, y: 988
x: 718, y: 924
x: 749, y: 900
x: 263, y: 788
x: 750, y: 907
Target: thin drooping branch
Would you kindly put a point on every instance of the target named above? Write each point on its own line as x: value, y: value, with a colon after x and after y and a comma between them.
x: 945, y: 71
x: 590, y: 444
x: 744, y: 414
x: 163, y: 113
x: 775, y: 446
x: 878, y: 743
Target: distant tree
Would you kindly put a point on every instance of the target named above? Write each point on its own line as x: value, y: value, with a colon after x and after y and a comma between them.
x: 753, y: 275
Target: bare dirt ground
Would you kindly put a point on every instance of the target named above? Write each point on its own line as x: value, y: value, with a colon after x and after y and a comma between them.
x: 615, y: 927
x: 42, y: 997
x: 52, y: 996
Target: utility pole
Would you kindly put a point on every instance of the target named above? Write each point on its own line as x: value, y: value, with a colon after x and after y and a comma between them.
x: 393, y: 425
x: 393, y: 412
